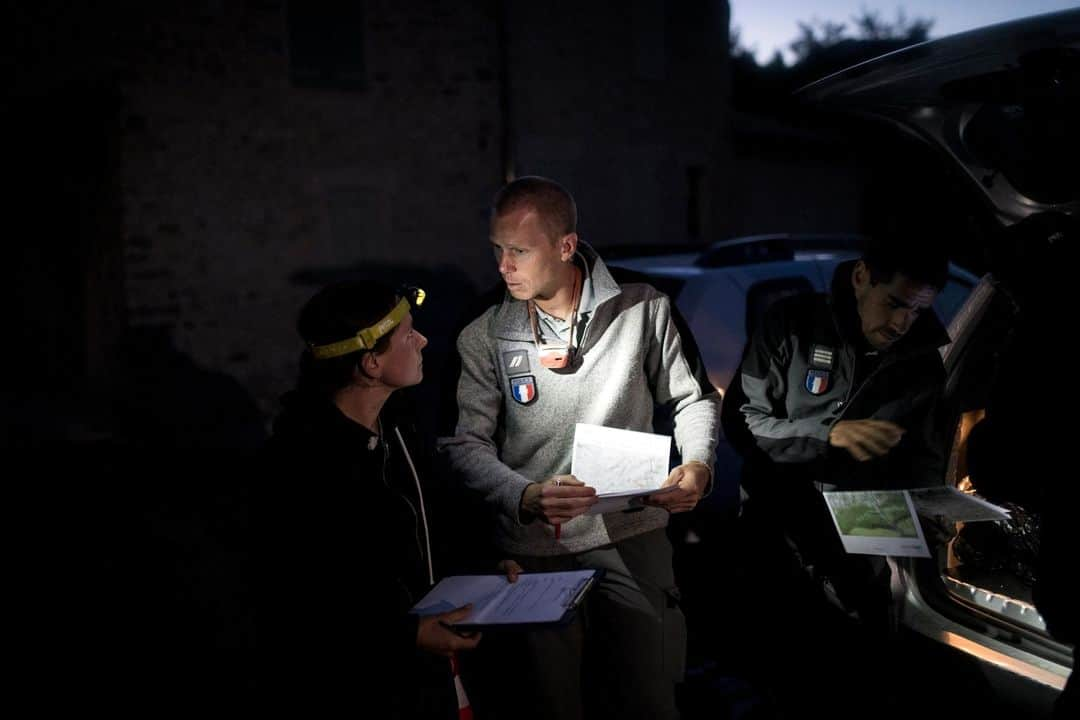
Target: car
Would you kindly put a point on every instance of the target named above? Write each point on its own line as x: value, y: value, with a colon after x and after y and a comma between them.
x: 723, y: 290
x: 999, y: 109
x: 1000, y: 106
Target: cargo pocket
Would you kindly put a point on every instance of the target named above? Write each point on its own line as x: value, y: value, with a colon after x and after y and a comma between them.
x: 674, y: 636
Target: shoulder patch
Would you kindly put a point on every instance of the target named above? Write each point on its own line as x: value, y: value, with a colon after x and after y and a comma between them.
x: 822, y: 357
x: 516, y: 362
x: 523, y: 389
x: 817, y: 381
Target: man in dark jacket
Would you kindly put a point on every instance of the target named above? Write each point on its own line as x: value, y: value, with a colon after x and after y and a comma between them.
x: 840, y: 393
x: 836, y: 392
x: 843, y: 386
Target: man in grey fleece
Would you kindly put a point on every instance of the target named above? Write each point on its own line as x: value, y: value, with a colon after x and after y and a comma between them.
x: 569, y: 344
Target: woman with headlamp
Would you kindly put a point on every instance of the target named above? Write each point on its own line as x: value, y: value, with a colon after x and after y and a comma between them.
x: 350, y: 548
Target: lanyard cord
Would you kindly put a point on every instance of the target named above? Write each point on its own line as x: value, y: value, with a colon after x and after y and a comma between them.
x: 534, y: 321
x: 464, y: 708
x: 423, y: 512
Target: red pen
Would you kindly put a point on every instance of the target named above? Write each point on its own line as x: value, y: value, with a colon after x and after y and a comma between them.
x: 558, y: 526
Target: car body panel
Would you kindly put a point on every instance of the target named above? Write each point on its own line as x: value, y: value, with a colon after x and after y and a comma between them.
x: 946, y: 91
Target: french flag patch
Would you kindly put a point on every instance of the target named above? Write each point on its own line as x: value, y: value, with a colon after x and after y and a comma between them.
x: 817, y: 381
x: 523, y: 389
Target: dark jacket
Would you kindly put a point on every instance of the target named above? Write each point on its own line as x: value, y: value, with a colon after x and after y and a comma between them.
x: 809, y: 367
x: 345, y: 555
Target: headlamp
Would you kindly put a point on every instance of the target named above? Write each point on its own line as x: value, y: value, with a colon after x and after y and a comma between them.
x: 365, y: 339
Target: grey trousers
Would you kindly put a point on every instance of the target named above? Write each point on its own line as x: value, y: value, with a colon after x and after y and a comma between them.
x: 622, y: 654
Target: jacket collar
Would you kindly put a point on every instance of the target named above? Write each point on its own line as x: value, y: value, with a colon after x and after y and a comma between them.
x: 312, y: 424
x: 511, y: 320
x: 927, y: 332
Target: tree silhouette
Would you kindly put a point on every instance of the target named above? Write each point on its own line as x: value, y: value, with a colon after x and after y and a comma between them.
x: 821, y: 47
x: 872, y: 27
x: 816, y: 35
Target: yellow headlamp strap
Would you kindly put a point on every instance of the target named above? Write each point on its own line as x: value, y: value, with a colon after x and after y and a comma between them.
x: 366, y: 338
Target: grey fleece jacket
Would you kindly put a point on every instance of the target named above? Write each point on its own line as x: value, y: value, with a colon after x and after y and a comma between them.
x: 631, y: 360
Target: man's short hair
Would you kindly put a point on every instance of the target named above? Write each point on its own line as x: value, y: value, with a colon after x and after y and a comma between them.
x: 551, y: 201
x: 922, y: 261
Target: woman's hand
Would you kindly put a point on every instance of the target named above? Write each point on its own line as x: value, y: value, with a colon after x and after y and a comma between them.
x: 436, y: 634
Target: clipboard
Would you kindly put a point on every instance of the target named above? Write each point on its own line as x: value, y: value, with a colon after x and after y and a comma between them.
x: 535, y: 600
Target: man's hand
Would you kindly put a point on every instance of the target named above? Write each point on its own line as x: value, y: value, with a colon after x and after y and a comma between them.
x: 865, y: 439
x: 510, y: 568
x: 434, y: 635
x: 558, y: 499
x: 691, y: 479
